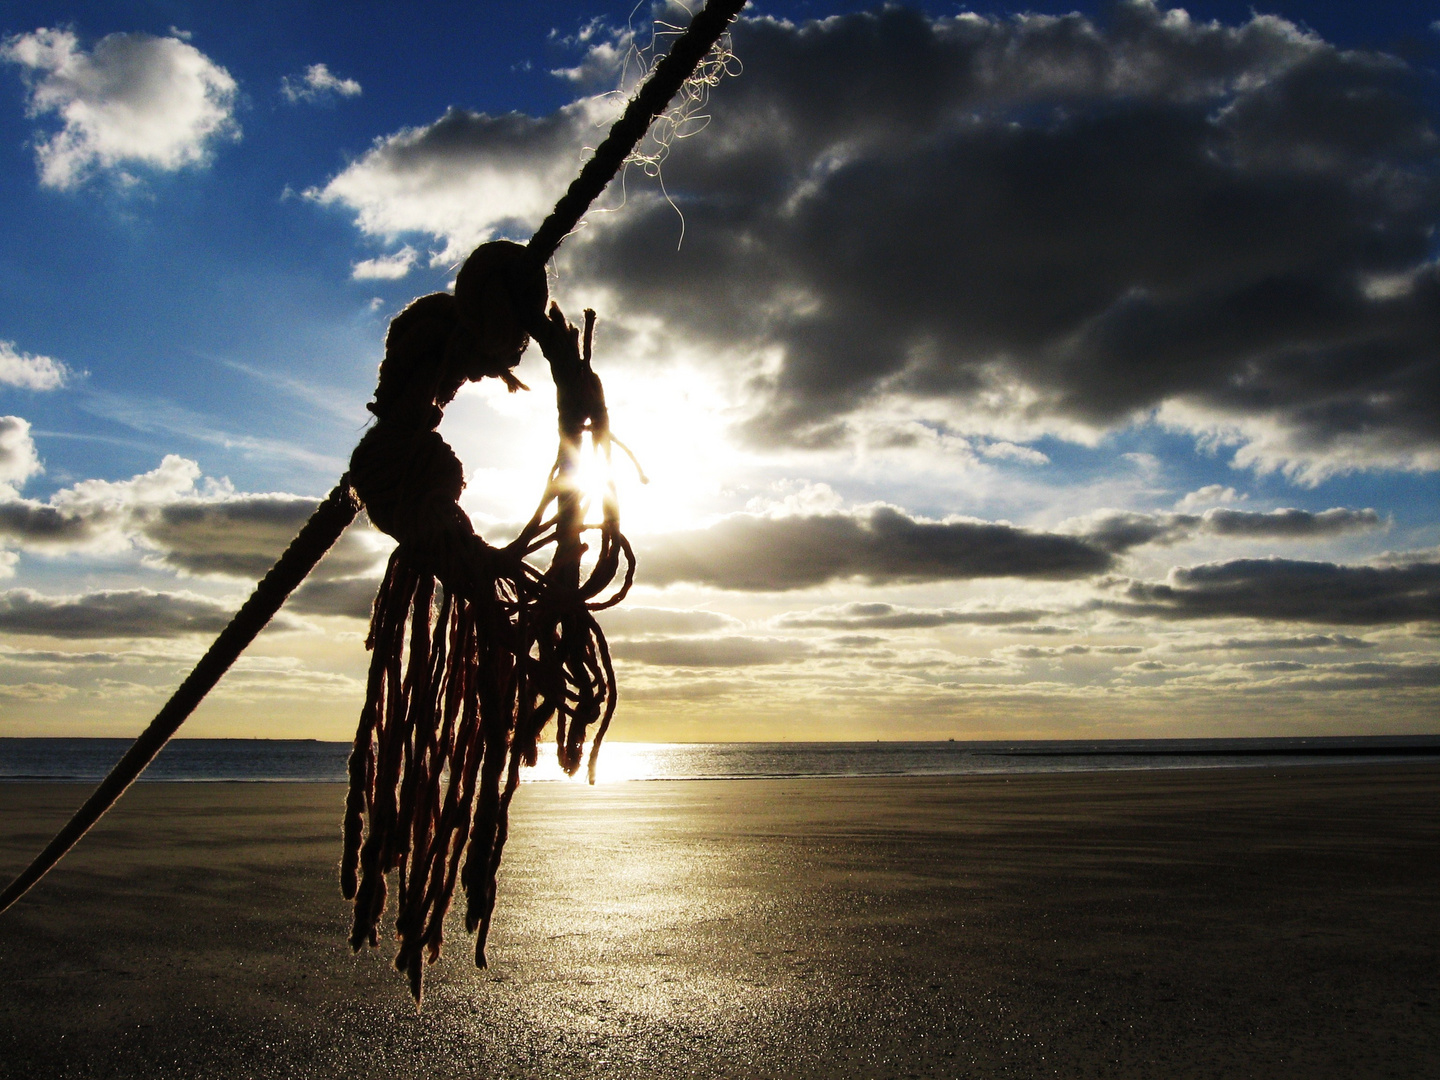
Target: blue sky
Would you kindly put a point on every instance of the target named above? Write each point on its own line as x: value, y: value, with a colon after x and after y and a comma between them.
x: 1022, y: 371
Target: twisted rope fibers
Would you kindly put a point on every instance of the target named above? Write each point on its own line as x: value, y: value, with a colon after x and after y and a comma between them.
x: 492, y: 648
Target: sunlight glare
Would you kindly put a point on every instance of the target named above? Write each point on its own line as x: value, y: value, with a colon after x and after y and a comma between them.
x: 674, y: 418
x: 619, y: 762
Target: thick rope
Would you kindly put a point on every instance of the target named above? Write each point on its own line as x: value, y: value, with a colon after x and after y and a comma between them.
x: 339, y: 508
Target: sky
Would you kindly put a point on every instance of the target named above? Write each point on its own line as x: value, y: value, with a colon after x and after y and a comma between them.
x: 997, y: 371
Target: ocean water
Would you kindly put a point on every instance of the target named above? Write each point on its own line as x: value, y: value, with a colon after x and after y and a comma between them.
x: 273, y: 760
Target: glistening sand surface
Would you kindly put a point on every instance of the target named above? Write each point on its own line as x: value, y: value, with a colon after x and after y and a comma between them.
x: 1226, y: 923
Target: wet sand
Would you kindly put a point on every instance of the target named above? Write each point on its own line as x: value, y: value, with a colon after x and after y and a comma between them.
x: 1222, y: 923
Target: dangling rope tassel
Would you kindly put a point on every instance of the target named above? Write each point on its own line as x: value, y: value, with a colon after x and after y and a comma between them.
x: 473, y: 652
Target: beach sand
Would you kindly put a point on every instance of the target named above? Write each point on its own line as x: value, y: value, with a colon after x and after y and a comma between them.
x: 1201, y: 923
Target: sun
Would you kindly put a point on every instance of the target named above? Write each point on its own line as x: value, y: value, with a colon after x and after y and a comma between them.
x: 674, y: 418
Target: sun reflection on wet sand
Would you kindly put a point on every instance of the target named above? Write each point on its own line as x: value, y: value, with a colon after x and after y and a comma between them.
x: 617, y: 918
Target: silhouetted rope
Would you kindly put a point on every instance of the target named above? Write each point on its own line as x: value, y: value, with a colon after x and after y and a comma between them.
x: 649, y: 102
x: 456, y: 701
x: 578, y: 647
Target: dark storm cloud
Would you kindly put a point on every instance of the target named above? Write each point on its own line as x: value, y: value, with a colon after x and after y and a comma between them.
x: 882, y: 545
x: 1288, y: 524
x: 1121, y: 530
x: 27, y: 522
x: 218, y: 533
x: 1368, y: 676
x: 352, y: 596
x: 1291, y: 590
x: 236, y: 537
x: 1239, y: 219
x: 128, y: 613
x: 879, y: 545
x: 243, y: 536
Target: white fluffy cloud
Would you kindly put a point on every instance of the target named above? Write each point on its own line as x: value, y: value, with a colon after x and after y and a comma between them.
x: 135, y: 99
x: 385, y: 267
x: 317, y: 84
x: 18, y: 459
x: 468, y: 176
x: 29, y: 372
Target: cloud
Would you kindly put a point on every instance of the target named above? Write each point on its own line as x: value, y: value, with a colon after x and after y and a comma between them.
x: 1289, y: 524
x: 134, y: 100
x: 1209, y: 495
x: 882, y: 616
x: 128, y: 613
x: 1372, y: 675
x: 18, y: 459
x: 1261, y: 644
x: 385, y: 267
x: 881, y: 544
x: 30, y: 372
x: 1041, y: 223
x: 611, y: 58
x: 1404, y: 590
x: 628, y: 621
x: 350, y: 596
x: 175, y: 520
x: 33, y: 691
x: 242, y: 536
x: 1013, y: 452
x: 51, y: 658
x: 317, y: 84
x: 1120, y: 530
x: 878, y: 544
x: 468, y: 176
x: 1050, y: 652
x: 691, y: 652
x: 95, y: 515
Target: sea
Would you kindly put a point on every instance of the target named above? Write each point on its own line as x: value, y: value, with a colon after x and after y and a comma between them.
x: 308, y: 760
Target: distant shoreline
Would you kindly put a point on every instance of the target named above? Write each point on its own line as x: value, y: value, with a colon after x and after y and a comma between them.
x: 86, y: 760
